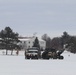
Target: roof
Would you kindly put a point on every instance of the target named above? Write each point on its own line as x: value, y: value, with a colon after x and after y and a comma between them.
x: 29, y: 38
x: 24, y: 39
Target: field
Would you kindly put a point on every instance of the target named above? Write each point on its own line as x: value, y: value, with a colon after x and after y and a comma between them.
x: 17, y: 65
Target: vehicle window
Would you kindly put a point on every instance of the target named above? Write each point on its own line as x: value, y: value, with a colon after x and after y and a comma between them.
x: 32, y: 51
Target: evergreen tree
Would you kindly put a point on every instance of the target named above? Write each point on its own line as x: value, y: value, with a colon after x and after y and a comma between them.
x: 65, y: 38
x: 9, y: 39
x: 36, y: 43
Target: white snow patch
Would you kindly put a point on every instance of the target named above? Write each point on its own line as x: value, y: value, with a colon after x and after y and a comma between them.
x: 17, y: 65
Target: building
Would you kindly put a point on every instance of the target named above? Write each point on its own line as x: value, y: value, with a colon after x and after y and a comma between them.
x: 27, y: 42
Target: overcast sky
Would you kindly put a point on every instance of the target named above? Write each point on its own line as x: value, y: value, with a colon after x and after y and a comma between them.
x: 42, y: 16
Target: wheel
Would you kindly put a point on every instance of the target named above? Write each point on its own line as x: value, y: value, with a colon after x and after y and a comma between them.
x: 27, y: 57
x: 61, y: 57
x: 44, y: 55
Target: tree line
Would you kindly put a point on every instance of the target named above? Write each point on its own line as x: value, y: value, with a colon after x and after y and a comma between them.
x: 9, y: 41
x: 58, y: 43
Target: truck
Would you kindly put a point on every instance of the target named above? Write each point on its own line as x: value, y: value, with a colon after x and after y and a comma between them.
x: 32, y: 53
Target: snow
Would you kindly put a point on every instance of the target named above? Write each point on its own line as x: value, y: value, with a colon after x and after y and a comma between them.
x: 17, y: 65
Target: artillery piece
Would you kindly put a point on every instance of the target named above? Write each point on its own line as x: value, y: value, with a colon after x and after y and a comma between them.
x: 52, y: 53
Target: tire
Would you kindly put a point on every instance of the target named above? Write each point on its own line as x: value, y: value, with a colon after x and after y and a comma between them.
x: 61, y: 57
x: 44, y: 55
x: 27, y: 57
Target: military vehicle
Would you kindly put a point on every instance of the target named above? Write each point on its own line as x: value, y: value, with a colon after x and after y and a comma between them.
x: 35, y: 53
x: 32, y: 53
x: 52, y: 53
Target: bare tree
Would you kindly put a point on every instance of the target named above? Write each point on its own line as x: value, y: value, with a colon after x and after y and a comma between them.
x: 46, y: 38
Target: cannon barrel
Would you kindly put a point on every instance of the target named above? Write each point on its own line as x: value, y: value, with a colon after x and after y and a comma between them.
x: 60, y: 52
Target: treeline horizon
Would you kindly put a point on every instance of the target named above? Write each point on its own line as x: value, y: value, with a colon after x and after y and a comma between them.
x: 58, y: 43
x: 55, y: 42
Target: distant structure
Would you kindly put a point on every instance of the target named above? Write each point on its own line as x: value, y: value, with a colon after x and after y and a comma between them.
x: 27, y: 42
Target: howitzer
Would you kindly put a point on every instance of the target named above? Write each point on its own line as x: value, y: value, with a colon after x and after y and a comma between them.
x: 52, y: 53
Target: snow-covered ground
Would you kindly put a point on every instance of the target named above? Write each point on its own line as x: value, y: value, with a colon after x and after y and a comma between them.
x: 17, y: 65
